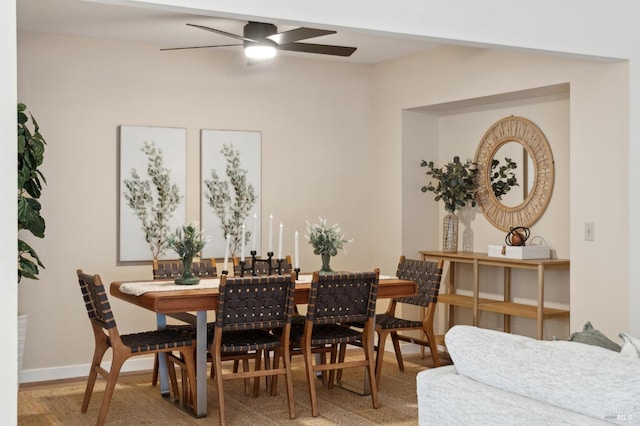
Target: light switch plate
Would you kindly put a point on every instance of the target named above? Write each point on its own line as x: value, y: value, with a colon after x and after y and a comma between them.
x: 589, y: 231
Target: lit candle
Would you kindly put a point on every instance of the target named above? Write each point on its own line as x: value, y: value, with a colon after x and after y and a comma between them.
x: 280, y: 241
x: 226, y: 255
x: 296, y: 261
x: 255, y: 231
x: 242, y: 236
x: 271, y: 233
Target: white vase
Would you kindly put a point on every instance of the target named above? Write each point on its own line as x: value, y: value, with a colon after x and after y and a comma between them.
x: 22, y: 334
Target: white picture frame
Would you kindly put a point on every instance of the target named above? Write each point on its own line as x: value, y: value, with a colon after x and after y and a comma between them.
x: 132, y: 245
x: 248, y: 145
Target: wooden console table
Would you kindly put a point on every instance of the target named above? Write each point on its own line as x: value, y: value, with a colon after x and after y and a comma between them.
x: 505, y: 307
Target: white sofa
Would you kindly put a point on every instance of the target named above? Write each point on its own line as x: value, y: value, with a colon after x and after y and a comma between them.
x: 506, y: 379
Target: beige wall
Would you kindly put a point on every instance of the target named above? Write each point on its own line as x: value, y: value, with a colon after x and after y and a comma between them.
x: 596, y: 138
x: 314, y: 119
x: 333, y: 146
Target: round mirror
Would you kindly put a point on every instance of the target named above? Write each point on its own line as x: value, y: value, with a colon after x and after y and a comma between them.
x: 515, y: 173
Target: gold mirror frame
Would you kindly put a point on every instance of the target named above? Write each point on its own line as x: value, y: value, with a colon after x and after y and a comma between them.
x: 526, y: 133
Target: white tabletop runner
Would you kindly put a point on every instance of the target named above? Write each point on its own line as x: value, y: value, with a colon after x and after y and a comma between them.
x: 138, y: 288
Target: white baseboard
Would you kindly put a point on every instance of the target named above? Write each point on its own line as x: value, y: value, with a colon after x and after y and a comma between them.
x: 82, y: 370
x: 138, y: 364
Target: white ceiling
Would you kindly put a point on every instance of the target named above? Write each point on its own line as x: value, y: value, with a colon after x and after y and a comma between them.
x: 167, y: 29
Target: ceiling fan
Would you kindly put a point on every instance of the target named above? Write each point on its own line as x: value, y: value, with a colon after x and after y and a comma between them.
x: 261, y: 41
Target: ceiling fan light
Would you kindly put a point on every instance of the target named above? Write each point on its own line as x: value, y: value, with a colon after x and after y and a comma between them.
x: 260, y: 51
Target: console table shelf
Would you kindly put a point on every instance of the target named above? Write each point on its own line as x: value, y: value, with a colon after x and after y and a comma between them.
x: 506, y: 306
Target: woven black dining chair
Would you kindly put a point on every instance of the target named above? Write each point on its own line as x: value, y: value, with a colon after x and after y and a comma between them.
x: 334, y: 301
x: 168, y: 269
x: 124, y: 346
x: 262, y: 268
x: 428, y: 276
x: 164, y: 269
x: 248, y: 309
x: 204, y: 268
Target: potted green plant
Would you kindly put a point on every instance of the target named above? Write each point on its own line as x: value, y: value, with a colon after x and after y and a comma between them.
x: 31, y: 146
x: 455, y: 185
x: 187, y: 242
x: 326, y: 242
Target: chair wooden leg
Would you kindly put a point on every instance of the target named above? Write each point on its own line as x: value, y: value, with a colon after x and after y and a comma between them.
x: 154, y: 374
x: 286, y: 359
x: 367, y: 346
x: 382, y: 338
x: 341, y: 355
x: 256, y: 380
x: 245, y: 367
x: 325, y: 375
x: 396, y: 348
x: 116, y: 365
x: 431, y: 338
x: 276, y: 364
x: 212, y: 373
x: 332, y: 373
x: 308, y: 364
x: 172, y: 376
x: 100, y: 349
x: 267, y: 365
x: 191, y: 376
x: 220, y: 388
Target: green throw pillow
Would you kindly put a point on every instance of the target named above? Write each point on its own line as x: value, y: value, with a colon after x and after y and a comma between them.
x: 591, y: 336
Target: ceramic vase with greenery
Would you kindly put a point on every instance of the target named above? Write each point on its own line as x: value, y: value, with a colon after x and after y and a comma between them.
x: 455, y: 185
x: 326, y: 242
x: 187, y: 242
x: 31, y: 146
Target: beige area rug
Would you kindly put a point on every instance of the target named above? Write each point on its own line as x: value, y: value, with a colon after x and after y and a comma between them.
x: 135, y: 401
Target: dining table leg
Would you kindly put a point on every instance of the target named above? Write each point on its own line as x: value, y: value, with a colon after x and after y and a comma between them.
x: 200, y: 409
x: 163, y: 372
x: 201, y: 364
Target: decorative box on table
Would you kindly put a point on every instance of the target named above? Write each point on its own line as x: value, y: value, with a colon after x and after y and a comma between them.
x: 519, y: 252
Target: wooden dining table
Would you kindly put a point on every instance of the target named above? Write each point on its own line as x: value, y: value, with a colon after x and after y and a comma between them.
x: 178, y: 303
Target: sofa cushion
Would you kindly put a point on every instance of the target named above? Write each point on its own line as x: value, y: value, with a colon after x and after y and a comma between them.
x: 591, y: 336
x: 581, y: 378
x: 447, y: 398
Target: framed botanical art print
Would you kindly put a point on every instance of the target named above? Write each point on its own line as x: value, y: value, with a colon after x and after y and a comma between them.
x: 230, y: 170
x: 152, y: 188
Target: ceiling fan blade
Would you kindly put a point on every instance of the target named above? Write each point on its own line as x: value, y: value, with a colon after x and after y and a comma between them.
x: 286, y: 37
x: 323, y: 49
x: 199, y: 47
x: 213, y: 30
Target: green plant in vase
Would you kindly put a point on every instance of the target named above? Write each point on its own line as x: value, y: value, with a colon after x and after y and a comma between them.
x: 326, y: 242
x: 187, y: 242
x: 455, y: 185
